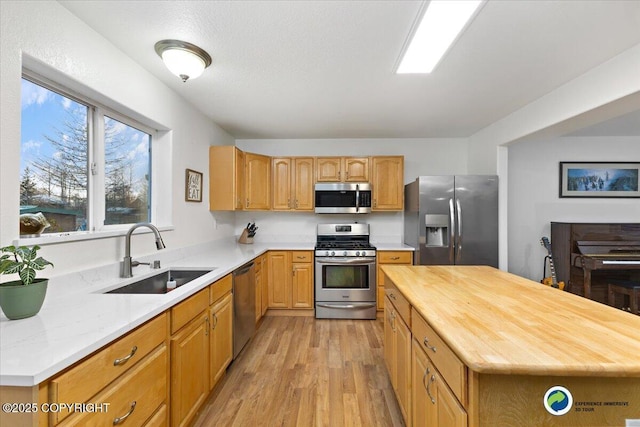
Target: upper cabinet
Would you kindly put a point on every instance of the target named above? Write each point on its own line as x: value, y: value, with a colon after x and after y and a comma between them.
x: 387, y: 183
x: 226, y: 178
x: 292, y: 183
x: 342, y: 169
x: 257, y: 189
x: 248, y: 181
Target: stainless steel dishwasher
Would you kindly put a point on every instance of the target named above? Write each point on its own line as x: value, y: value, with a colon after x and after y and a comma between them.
x: 244, y: 306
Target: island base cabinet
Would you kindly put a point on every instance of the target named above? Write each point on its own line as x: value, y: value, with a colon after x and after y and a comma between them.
x: 433, y: 404
x: 397, y: 355
x: 517, y: 400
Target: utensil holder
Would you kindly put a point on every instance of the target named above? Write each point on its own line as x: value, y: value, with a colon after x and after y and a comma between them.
x: 244, y: 237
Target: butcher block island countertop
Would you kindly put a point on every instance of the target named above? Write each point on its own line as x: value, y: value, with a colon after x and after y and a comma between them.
x: 516, y: 338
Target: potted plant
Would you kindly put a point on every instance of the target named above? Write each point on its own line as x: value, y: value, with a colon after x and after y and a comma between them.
x: 22, y: 298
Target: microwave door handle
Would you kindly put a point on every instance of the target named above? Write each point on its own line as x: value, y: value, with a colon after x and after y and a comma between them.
x: 357, y: 197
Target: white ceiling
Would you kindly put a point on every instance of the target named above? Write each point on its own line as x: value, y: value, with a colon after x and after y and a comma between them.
x: 325, y: 69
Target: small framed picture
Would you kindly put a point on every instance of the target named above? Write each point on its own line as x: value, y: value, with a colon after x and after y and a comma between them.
x: 193, y: 186
x: 599, y: 179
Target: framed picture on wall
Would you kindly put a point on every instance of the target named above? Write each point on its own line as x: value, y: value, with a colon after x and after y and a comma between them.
x: 193, y: 186
x: 599, y: 179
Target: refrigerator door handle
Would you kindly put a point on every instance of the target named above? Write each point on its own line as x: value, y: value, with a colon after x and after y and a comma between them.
x: 459, y: 221
x: 452, y: 233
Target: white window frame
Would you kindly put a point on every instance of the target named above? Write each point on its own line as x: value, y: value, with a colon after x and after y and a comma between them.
x: 96, y: 183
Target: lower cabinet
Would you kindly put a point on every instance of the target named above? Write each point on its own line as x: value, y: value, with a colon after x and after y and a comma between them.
x: 221, y: 339
x: 433, y: 404
x: 397, y: 354
x: 189, y: 358
x: 129, y: 374
x: 290, y: 279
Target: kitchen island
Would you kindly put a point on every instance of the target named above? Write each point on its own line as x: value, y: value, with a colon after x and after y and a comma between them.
x: 476, y: 346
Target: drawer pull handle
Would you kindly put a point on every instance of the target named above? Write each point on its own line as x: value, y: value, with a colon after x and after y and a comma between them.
x: 426, y: 385
x: 120, y: 420
x: 426, y: 344
x: 395, y: 258
x: 392, y: 296
x: 122, y: 361
x: 301, y: 257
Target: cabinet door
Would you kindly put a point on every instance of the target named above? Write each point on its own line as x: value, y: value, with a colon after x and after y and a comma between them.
x: 281, y: 188
x: 264, y: 260
x: 258, y: 281
x: 279, y: 279
x: 239, y: 179
x: 389, y: 341
x: 423, y: 410
x: 403, y: 368
x: 356, y: 169
x: 189, y: 370
x: 328, y: 169
x: 257, y: 181
x: 220, y: 340
x: 388, y: 183
x: 304, y: 196
x: 302, y: 286
x: 450, y: 412
x: 226, y: 176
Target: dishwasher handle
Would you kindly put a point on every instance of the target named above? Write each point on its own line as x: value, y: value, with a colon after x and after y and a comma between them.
x: 244, y: 269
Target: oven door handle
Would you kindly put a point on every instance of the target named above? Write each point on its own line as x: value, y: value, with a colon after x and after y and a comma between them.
x: 361, y: 261
x: 345, y: 306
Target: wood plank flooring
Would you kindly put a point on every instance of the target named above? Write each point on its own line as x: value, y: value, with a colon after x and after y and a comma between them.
x: 302, y: 371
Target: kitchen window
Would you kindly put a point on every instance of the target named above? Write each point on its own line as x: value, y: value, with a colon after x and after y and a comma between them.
x: 83, y: 166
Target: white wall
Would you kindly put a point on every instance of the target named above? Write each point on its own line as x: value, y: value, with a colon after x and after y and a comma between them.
x: 51, y: 36
x: 533, y: 194
x: 422, y: 156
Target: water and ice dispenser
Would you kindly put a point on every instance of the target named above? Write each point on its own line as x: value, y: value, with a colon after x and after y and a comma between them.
x: 437, y: 230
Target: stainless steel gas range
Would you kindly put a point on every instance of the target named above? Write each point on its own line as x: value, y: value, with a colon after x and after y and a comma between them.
x: 345, y: 272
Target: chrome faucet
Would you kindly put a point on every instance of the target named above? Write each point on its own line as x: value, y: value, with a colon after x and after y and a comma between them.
x: 128, y: 263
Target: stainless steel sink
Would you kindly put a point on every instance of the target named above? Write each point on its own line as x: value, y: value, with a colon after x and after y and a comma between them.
x: 158, y: 284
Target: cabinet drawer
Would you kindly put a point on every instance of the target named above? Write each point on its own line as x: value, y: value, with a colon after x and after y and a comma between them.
x: 399, y: 302
x: 84, y: 380
x: 138, y: 393
x: 301, y: 256
x: 395, y: 257
x: 220, y: 288
x: 182, y: 313
x: 446, y: 362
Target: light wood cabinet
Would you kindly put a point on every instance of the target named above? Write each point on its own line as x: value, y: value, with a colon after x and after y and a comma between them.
x: 388, y: 257
x: 397, y: 354
x: 387, y: 183
x: 293, y: 179
x: 226, y: 178
x: 264, y: 262
x: 433, y: 402
x: 221, y: 338
x: 290, y: 279
x: 342, y: 169
x: 258, y: 281
x: 189, y: 358
x: 257, y: 181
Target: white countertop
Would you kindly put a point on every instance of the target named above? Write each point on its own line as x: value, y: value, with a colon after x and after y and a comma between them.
x: 77, y: 318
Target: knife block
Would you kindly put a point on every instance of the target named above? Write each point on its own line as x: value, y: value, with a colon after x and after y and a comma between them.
x: 244, y: 237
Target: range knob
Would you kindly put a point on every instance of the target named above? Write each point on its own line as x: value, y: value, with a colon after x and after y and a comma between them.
x: 345, y: 253
x: 358, y: 253
x: 332, y: 253
x: 327, y: 254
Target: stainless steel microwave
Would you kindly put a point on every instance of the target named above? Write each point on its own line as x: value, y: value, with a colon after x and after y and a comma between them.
x: 343, y: 197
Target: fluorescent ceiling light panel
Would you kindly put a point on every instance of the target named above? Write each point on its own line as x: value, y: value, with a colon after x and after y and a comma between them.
x: 441, y: 24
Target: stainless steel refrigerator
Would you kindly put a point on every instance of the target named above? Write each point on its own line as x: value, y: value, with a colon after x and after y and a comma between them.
x: 452, y: 219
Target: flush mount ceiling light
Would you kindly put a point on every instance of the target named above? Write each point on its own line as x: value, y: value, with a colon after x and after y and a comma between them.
x: 441, y: 24
x: 183, y: 59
